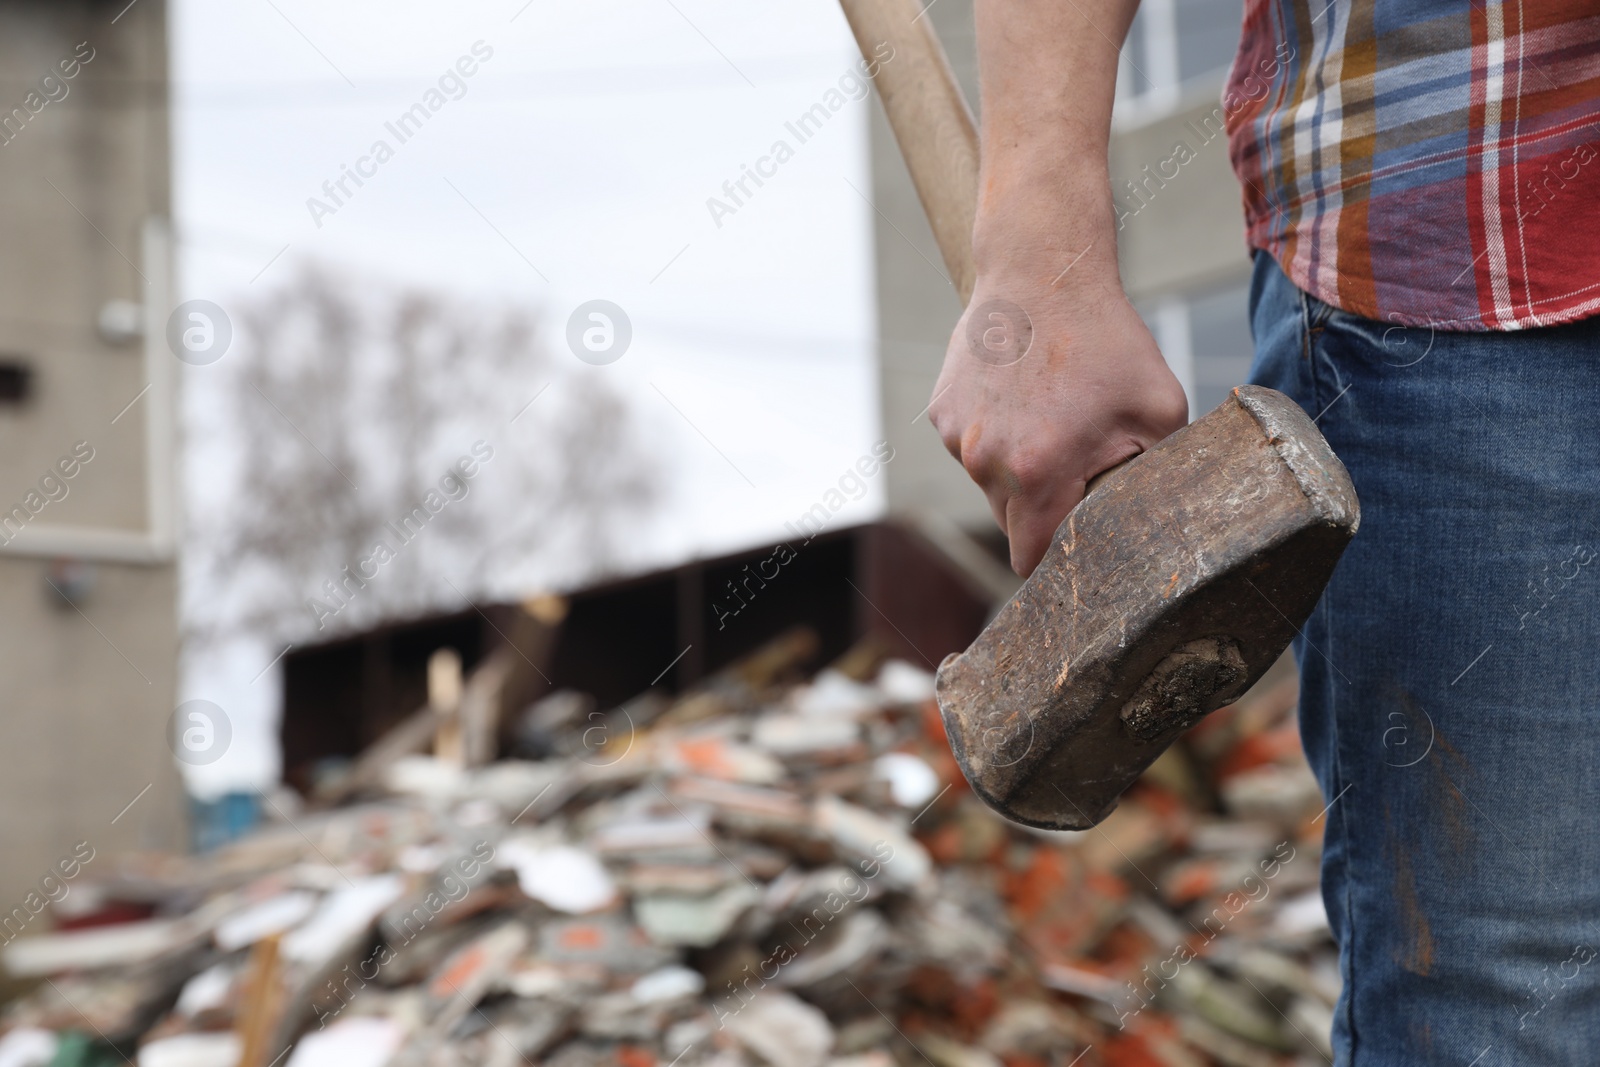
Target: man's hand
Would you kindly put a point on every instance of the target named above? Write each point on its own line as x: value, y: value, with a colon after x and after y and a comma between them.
x: 1090, y: 391
x: 1051, y: 376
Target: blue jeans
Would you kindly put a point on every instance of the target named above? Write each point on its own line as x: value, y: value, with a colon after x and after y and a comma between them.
x: 1450, y: 701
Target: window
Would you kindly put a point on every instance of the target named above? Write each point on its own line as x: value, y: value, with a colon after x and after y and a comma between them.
x: 1173, y: 45
x: 1219, y: 328
x: 1206, y: 339
x: 1208, y: 36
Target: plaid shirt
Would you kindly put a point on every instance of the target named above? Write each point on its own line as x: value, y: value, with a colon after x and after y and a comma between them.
x: 1424, y: 162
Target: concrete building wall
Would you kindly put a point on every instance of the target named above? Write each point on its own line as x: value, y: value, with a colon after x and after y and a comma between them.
x: 1183, y: 255
x: 88, y: 683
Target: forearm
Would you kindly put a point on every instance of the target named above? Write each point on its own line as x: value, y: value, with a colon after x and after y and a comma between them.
x: 1048, y: 74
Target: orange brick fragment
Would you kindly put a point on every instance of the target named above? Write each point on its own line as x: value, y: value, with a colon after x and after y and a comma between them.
x: 634, y: 1056
x: 1258, y: 750
x: 581, y: 936
x: 1048, y: 877
x: 459, y: 973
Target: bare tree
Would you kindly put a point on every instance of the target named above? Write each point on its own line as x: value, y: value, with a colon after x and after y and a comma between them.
x: 350, y: 411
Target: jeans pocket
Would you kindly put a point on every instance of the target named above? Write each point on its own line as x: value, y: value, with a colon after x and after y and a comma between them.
x: 1317, y: 312
x: 1343, y: 336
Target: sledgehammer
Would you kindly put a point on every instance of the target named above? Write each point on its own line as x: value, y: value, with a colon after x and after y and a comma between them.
x: 1167, y: 591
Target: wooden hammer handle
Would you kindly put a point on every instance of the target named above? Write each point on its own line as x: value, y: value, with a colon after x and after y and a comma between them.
x: 931, y: 120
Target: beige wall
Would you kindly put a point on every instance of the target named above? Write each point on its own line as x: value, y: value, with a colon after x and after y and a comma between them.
x: 86, y: 691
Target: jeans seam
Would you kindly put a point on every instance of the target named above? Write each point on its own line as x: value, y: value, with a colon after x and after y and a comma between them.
x: 1313, y: 322
x: 1347, y: 958
x: 1309, y: 334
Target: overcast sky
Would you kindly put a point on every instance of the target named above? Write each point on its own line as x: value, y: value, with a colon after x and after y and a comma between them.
x: 574, y: 163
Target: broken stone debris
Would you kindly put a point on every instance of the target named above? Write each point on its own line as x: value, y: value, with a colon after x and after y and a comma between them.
x: 767, y: 872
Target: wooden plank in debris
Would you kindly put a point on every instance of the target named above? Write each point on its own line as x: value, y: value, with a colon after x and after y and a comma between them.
x: 483, y: 706
x: 503, y: 681
x: 262, y: 1004
x: 745, y: 677
x: 521, y: 663
x: 411, y: 735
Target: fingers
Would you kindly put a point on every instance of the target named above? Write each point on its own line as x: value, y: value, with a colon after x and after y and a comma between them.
x: 1026, y: 551
x: 1000, y: 487
x: 1032, y: 523
x: 999, y: 503
x: 1027, y: 498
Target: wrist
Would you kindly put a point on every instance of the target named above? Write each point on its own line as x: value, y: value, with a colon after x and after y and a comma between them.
x: 1065, y: 244
x: 1035, y: 214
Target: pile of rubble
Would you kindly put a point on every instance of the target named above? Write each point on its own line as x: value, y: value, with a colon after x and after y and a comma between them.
x: 771, y: 870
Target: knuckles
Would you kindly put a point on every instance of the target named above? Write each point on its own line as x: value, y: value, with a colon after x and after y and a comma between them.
x: 1170, y: 410
x: 945, y: 422
x: 1030, y: 472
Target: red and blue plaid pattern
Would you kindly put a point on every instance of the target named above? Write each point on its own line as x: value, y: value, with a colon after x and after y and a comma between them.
x: 1425, y: 162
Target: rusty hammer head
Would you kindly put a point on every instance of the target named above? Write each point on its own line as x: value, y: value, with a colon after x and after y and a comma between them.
x: 1166, y: 592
